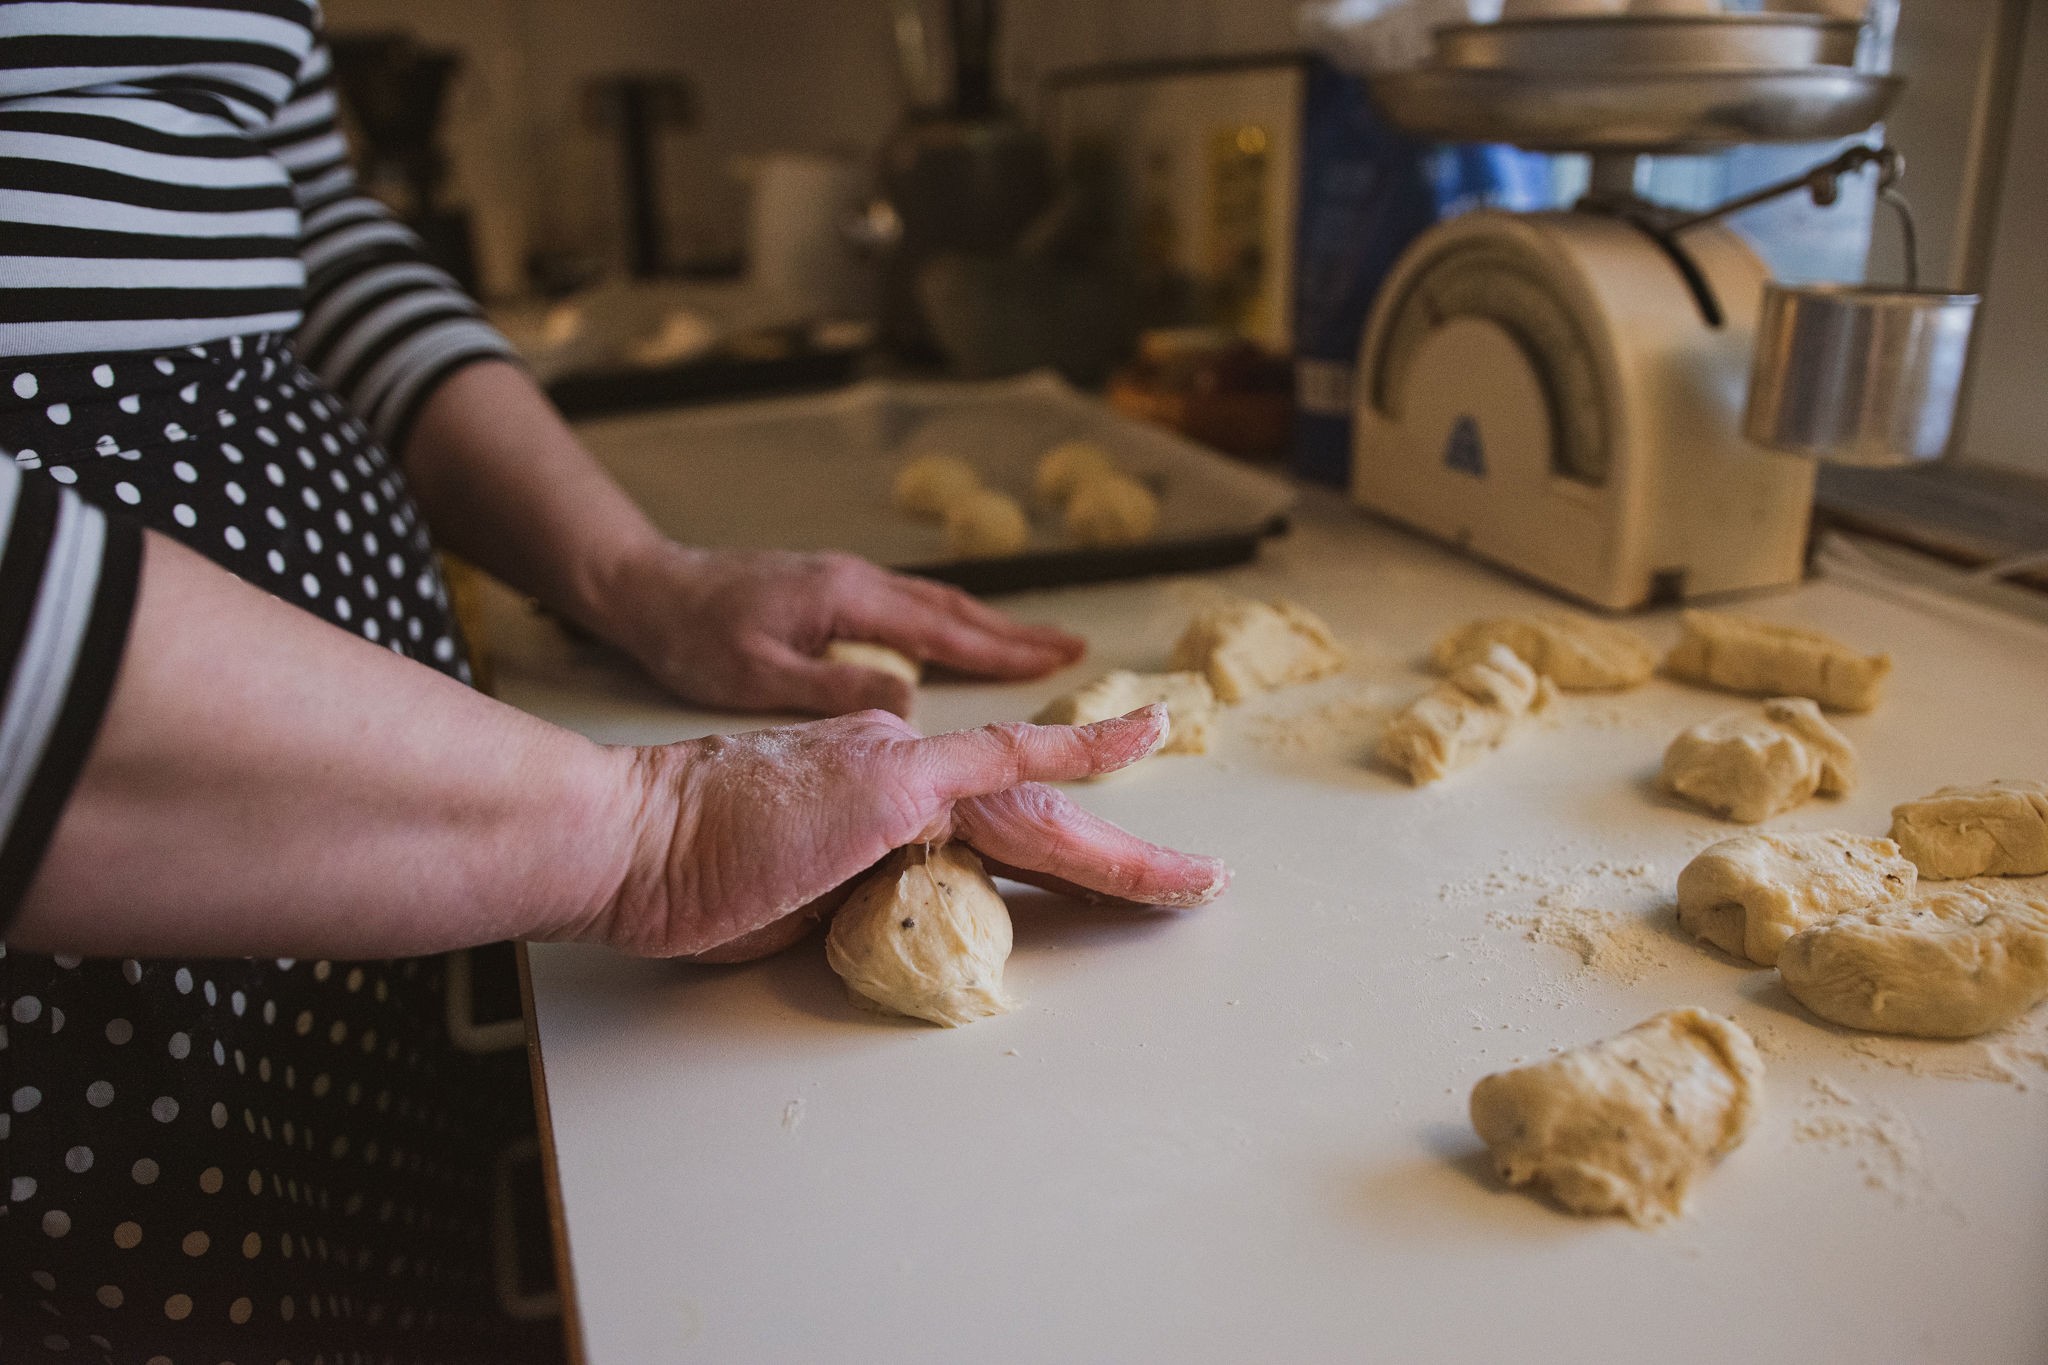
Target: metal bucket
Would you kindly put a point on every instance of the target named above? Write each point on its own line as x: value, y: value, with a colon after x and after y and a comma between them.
x: 1858, y: 375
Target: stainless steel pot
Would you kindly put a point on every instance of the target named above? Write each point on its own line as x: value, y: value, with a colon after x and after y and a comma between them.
x: 1638, y: 43
x: 1856, y: 374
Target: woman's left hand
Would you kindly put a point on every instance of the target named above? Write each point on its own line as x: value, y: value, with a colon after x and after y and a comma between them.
x: 744, y: 628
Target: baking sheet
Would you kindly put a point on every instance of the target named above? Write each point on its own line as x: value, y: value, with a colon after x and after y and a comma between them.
x: 814, y: 473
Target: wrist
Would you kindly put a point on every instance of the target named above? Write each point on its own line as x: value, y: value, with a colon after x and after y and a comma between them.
x: 627, y: 904
x: 611, y: 592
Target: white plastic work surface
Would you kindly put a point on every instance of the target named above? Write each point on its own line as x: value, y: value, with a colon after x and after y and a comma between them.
x: 1240, y: 1134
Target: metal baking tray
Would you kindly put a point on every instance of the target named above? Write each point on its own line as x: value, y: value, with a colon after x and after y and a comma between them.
x: 1634, y: 111
x: 1639, y: 42
x: 814, y: 473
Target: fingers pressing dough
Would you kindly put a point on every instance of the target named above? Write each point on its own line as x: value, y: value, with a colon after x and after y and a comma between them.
x: 983, y: 524
x: 1950, y: 961
x: 880, y: 658
x: 1190, y: 705
x: 1575, y: 652
x: 1469, y: 714
x: 1747, y: 895
x: 1111, y: 509
x: 928, y: 485
x: 1625, y: 1125
x: 1743, y: 654
x: 1245, y: 647
x: 1747, y: 766
x: 1997, y: 830
x: 925, y: 935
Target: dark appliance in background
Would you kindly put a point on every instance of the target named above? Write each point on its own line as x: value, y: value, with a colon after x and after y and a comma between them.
x: 393, y: 90
x: 635, y: 106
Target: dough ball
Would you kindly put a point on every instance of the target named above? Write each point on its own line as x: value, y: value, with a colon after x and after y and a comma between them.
x: 1625, y: 1125
x: 925, y: 935
x: 1245, y: 647
x: 1190, y: 705
x: 1997, y: 830
x: 1110, y: 509
x: 986, y: 524
x: 1747, y: 766
x: 1742, y: 654
x: 1950, y: 961
x: 929, y: 484
x: 880, y: 658
x: 1469, y: 714
x: 1066, y: 467
x: 1575, y: 652
x: 1747, y: 895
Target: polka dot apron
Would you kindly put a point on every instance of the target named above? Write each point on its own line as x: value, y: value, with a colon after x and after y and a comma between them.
x: 244, y: 1161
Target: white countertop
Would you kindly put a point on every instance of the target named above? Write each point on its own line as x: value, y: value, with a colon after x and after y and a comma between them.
x: 1240, y: 1134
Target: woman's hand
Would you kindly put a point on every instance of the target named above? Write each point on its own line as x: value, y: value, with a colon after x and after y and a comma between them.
x: 743, y: 629
x: 744, y: 839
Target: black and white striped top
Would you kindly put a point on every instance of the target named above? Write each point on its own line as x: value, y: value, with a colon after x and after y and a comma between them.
x: 68, y: 576
x: 171, y: 172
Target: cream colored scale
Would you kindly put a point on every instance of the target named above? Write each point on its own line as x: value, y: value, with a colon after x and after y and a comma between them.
x: 1546, y: 391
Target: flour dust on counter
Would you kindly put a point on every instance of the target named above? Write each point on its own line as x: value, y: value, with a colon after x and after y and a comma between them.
x: 1889, y: 1151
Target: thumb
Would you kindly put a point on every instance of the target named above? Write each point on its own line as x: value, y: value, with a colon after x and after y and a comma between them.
x: 998, y: 757
x: 829, y: 689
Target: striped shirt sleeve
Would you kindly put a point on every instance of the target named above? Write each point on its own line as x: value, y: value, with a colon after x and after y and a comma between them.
x: 383, y: 327
x: 68, y: 580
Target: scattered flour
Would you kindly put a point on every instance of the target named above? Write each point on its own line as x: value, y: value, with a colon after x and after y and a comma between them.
x: 1886, y: 1145
x: 1585, y: 910
x: 792, y: 1115
x: 2009, y: 1056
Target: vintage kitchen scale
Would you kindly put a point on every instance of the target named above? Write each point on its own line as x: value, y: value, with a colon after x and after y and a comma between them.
x: 1565, y: 393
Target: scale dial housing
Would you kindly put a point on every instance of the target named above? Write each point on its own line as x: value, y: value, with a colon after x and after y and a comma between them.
x: 1545, y: 391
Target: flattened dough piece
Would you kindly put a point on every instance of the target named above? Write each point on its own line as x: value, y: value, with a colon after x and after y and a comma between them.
x: 880, y: 658
x: 925, y: 935
x: 1625, y: 1125
x: 984, y: 524
x: 1190, y: 705
x: 928, y: 485
x: 1066, y: 467
x: 1111, y: 509
x: 1748, y: 766
x: 1743, y: 654
x: 1469, y: 714
x: 1245, y: 647
x: 1577, y: 653
x: 1747, y: 895
x: 1999, y: 829
x: 1949, y: 961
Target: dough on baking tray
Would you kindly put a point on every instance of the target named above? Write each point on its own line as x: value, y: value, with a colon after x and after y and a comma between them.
x: 1748, y: 766
x: 928, y: 485
x: 1066, y: 467
x: 1467, y: 715
x: 1627, y: 1124
x: 925, y: 935
x: 1111, y: 509
x: 1743, y: 654
x: 985, y: 524
x: 1747, y: 895
x: 1950, y: 961
x: 1999, y: 829
x: 1577, y: 653
x: 880, y: 658
x: 1244, y: 647
x: 1190, y: 705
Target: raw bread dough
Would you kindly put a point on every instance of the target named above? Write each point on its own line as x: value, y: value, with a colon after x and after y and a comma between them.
x: 1743, y: 654
x: 1190, y: 705
x: 926, y: 935
x: 1747, y: 895
x: 984, y: 524
x: 880, y: 658
x: 929, y: 484
x: 1625, y: 1125
x: 1470, y: 713
x: 1245, y: 647
x: 1066, y: 467
x: 1747, y: 767
x: 1111, y: 509
x: 1575, y: 652
x: 1950, y: 961
x: 1999, y: 830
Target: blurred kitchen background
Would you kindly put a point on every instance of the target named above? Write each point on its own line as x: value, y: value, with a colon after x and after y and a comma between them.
x: 657, y: 197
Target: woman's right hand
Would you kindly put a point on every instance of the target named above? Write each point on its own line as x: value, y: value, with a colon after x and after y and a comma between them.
x: 741, y: 840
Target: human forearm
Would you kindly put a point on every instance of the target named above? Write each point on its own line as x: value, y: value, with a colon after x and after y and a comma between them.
x: 265, y: 784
